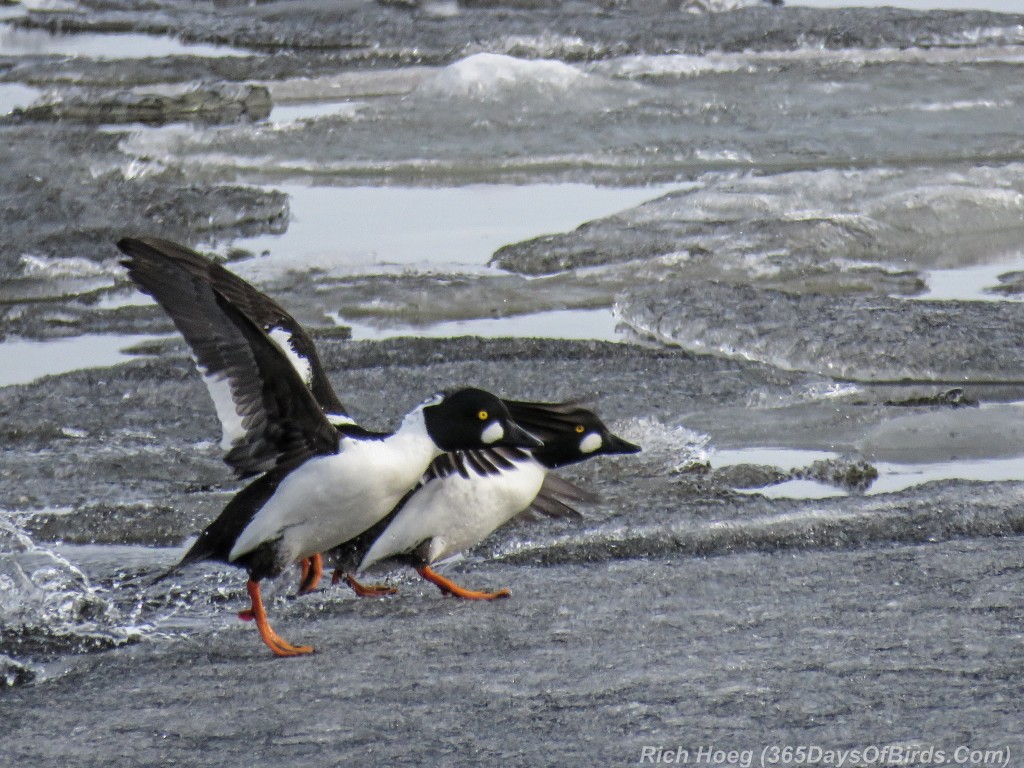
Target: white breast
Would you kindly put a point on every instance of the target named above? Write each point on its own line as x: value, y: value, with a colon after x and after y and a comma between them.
x: 455, y: 513
x: 331, y: 499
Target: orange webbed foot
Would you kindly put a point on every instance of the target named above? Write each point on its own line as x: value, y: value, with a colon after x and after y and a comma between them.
x: 364, y: 590
x: 449, y: 587
x: 273, y: 641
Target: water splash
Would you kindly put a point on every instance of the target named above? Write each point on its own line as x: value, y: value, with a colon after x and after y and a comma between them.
x: 667, y: 449
x: 48, y: 606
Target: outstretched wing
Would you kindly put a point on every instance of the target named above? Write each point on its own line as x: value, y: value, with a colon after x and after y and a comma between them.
x: 268, y: 412
x: 278, y: 325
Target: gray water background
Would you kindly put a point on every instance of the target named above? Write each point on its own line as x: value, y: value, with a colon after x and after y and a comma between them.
x: 801, y: 230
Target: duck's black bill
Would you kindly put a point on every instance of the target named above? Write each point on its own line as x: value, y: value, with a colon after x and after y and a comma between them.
x: 615, y: 444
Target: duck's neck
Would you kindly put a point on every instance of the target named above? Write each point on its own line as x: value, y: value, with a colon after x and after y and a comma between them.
x: 413, y: 447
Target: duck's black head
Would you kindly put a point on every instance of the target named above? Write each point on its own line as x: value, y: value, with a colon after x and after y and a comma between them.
x: 470, y: 419
x: 570, y: 432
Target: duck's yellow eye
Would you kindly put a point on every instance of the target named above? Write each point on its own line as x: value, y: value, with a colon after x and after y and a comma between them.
x: 482, y: 415
x: 580, y: 429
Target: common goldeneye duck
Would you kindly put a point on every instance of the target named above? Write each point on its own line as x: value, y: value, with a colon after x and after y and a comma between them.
x: 194, y: 290
x: 466, y: 495
x: 323, y: 483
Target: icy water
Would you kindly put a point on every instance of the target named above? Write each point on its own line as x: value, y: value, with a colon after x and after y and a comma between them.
x: 782, y: 249
x: 443, y: 228
x: 32, y: 42
x: 31, y: 360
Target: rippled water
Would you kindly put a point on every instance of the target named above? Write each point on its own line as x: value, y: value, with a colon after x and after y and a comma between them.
x: 848, y: 213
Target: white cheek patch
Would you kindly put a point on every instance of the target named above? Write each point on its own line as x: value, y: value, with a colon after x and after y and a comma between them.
x: 590, y: 443
x: 283, y: 340
x: 493, y: 433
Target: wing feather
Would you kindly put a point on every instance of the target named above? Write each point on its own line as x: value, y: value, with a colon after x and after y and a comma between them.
x: 267, y: 410
x: 284, y: 330
x: 556, y: 498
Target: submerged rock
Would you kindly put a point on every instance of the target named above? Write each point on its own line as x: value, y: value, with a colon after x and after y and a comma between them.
x: 221, y: 104
x: 851, y: 475
x: 1010, y: 284
x: 953, y: 398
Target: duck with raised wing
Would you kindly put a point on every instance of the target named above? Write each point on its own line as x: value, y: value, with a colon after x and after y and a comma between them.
x: 323, y: 483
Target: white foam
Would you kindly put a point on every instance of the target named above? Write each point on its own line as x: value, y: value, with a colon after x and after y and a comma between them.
x: 673, y: 448
x: 39, y: 587
x: 487, y: 75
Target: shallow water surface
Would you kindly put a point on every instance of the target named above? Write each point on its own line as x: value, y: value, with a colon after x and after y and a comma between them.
x: 16, y: 96
x: 969, y: 283
x: 15, y: 41
x: 596, y: 324
x: 346, y: 229
x: 23, y: 361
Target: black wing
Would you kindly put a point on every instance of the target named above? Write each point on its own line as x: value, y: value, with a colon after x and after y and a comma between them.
x: 272, y: 417
x: 555, y: 499
x: 271, y: 317
x: 548, y: 421
x: 488, y: 461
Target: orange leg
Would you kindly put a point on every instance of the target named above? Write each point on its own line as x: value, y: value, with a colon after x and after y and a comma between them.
x: 363, y: 590
x: 312, y: 570
x: 274, y: 641
x: 449, y: 587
